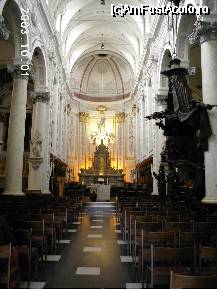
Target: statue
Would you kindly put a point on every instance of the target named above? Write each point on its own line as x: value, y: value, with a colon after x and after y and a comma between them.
x: 161, y: 179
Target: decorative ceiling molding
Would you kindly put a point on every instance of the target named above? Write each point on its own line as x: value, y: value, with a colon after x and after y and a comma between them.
x: 101, y: 76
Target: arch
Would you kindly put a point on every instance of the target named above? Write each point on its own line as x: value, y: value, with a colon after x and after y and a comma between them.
x: 166, y: 56
x: 190, y: 55
x: 2, y: 4
x: 40, y: 68
x: 185, y: 28
x: 12, y: 15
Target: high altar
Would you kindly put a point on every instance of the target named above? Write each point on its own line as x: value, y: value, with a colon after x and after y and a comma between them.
x: 101, y: 171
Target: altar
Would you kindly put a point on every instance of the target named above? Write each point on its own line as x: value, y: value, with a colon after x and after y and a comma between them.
x: 102, y: 191
x: 101, y: 171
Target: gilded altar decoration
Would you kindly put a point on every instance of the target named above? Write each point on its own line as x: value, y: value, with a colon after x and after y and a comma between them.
x: 83, y: 117
x: 102, y: 108
x: 120, y: 117
x: 102, y: 169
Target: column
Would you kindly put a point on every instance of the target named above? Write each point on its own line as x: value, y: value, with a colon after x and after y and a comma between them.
x: 16, y: 133
x: 83, y: 120
x: 39, y: 169
x: 206, y: 35
x: 120, y: 118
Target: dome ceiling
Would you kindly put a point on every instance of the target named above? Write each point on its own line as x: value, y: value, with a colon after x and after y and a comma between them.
x: 101, y: 77
x: 83, y: 25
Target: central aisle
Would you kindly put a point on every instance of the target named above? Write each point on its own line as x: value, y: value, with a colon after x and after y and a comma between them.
x: 92, y: 258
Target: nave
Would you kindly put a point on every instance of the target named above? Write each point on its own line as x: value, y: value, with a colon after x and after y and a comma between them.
x: 132, y: 242
x: 89, y: 251
x: 122, y: 110
x: 96, y: 255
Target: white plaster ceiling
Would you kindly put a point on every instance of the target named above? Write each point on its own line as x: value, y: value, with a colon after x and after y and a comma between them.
x: 102, y: 77
x: 84, y: 24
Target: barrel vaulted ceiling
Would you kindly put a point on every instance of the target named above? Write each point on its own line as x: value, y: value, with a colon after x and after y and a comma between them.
x: 83, y: 26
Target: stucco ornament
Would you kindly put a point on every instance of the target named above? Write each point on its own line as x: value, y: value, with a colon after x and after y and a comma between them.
x: 36, y: 145
x: 36, y: 151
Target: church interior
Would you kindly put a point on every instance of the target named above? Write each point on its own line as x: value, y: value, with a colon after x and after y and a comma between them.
x: 108, y: 145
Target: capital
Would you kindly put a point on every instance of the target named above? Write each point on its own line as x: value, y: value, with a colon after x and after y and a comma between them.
x: 18, y: 73
x: 83, y: 117
x: 4, y: 32
x: 41, y: 97
x: 204, y: 31
x: 120, y: 117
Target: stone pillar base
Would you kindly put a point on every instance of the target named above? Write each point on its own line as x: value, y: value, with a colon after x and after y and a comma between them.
x: 155, y: 187
x: 154, y: 194
x: 13, y: 193
x: 208, y: 200
x: 37, y: 192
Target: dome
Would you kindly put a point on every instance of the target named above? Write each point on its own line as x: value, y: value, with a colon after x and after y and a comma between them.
x: 101, y: 77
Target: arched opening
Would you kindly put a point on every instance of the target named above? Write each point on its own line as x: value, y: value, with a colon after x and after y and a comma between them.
x: 190, y: 55
x: 39, y: 68
x: 164, y: 65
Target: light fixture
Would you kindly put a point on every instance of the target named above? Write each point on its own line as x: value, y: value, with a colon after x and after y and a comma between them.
x: 102, y: 45
x: 175, y: 2
x: 102, y: 2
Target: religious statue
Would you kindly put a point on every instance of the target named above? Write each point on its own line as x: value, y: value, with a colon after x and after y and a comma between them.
x: 101, y: 124
x: 161, y: 179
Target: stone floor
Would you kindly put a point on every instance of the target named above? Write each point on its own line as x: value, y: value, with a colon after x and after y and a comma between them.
x: 93, y: 255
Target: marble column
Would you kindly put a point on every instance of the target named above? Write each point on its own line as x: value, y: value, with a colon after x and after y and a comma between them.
x: 39, y: 168
x: 206, y: 35
x: 16, y: 133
